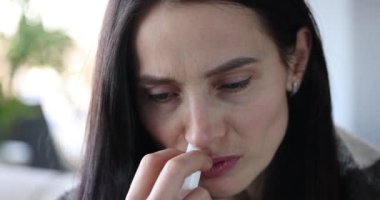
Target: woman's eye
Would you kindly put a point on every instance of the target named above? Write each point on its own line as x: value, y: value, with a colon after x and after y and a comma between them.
x: 162, y: 97
x: 235, y: 86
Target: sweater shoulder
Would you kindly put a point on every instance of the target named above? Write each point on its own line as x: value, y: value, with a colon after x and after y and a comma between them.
x: 360, y: 167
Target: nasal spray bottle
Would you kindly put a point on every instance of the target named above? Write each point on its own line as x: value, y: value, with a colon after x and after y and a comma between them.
x: 192, y: 181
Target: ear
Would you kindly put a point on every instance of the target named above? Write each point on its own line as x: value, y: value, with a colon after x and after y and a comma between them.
x: 299, y: 60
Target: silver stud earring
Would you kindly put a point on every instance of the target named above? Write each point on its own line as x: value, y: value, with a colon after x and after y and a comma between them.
x: 295, y: 87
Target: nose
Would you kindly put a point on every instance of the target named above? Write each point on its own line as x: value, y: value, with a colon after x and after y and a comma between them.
x: 204, y: 122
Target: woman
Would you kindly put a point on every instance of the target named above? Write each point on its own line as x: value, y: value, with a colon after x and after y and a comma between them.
x: 244, y: 81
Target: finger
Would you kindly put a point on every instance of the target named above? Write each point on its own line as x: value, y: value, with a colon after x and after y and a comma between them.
x: 198, y: 193
x: 172, y: 176
x: 149, y: 168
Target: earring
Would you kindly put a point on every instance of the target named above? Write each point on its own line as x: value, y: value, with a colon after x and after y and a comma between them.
x: 295, y: 87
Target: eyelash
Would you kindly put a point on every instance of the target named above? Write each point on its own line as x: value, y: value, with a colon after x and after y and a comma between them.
x: 162, y: 97
x: 229, y: 87
x: 236, y: 86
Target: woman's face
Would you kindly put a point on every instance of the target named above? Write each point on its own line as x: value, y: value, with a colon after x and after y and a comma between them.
x: 209, y: 75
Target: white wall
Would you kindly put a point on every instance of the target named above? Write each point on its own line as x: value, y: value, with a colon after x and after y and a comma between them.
x: 350, y: 31
x: 366, y: 69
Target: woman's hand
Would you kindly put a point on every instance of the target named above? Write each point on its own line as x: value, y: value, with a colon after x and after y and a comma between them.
x: 160, y: 175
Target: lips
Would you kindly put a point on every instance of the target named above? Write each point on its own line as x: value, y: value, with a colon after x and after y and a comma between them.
x: 221, y: 166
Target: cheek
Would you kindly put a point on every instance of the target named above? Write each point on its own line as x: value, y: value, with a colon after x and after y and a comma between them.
x: 263, y: 122
x: 164, y: 131
x: 264, y: 119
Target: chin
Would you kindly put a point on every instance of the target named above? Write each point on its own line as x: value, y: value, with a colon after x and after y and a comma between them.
x: 222, y: 188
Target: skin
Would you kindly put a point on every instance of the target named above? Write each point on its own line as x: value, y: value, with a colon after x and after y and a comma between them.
x: 188, y: 95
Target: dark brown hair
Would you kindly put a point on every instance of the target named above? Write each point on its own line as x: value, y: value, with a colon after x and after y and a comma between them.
x: 305, y: 165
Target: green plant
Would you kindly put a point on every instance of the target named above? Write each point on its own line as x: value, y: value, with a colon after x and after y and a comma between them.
x: 34, y: 45
x: 11, y: 112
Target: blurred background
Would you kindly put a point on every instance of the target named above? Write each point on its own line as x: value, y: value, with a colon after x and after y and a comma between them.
x: 47, y: 51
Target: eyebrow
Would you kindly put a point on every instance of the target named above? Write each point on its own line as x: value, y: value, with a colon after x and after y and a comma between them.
x: 223, y: 68
x: 231, y: 65
x: 153, y: 80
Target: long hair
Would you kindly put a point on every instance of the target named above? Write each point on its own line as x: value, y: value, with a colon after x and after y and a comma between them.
x: 305, y: 165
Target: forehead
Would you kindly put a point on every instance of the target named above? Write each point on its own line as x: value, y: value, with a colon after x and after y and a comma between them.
x: 208, y: 33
